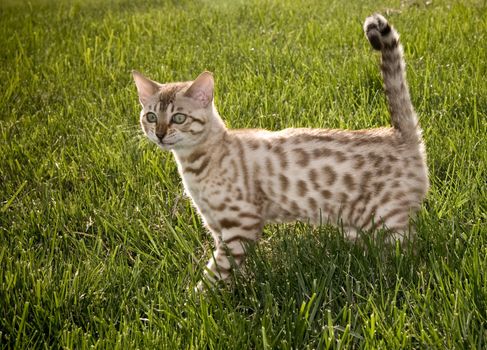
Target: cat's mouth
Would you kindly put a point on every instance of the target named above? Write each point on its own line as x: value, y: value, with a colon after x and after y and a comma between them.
x: 165, y: 145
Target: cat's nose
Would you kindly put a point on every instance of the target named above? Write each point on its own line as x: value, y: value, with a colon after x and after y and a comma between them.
x: 160, y: 135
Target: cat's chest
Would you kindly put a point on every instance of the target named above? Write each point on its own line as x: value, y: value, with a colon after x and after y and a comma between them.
x: 204, y: 182
x: 201, y: 191
x: 192, y: 188
x: 207, y: 198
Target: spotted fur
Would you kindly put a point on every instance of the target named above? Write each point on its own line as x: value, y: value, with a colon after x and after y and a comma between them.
x: 239, y: 180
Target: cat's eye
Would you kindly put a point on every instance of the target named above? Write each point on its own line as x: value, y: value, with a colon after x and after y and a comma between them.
x: 179, y: 118
x: 151, y: 117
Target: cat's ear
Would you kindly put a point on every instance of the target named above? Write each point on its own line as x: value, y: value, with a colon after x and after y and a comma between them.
x: 145, y: 87
x: 202, y: 89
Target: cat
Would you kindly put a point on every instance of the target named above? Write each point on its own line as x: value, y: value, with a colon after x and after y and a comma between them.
x: 239, y: 180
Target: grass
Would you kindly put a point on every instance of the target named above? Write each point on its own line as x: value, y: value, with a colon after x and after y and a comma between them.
x: 100, y: 248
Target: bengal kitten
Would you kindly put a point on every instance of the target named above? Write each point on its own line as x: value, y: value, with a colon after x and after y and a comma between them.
x: 241, y: 179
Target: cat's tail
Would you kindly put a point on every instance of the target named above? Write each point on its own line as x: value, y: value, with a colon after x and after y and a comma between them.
x: 384, y: 38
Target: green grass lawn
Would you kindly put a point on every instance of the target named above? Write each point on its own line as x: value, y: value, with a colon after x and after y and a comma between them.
x: 99, y: 245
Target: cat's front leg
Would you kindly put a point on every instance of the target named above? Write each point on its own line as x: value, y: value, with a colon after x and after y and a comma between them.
x: 229, y: 252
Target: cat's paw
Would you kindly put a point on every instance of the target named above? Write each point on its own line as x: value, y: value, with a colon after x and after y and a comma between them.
x: 205, y: 286
x: 200, y: 287
x: 207, y: 282
x: 379, y: 32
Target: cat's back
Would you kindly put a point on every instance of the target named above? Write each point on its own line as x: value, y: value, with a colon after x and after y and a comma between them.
x: 319, y: 143
x: 382, y: 152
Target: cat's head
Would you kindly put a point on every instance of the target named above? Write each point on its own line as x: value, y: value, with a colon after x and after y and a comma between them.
x: 177, y: 115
